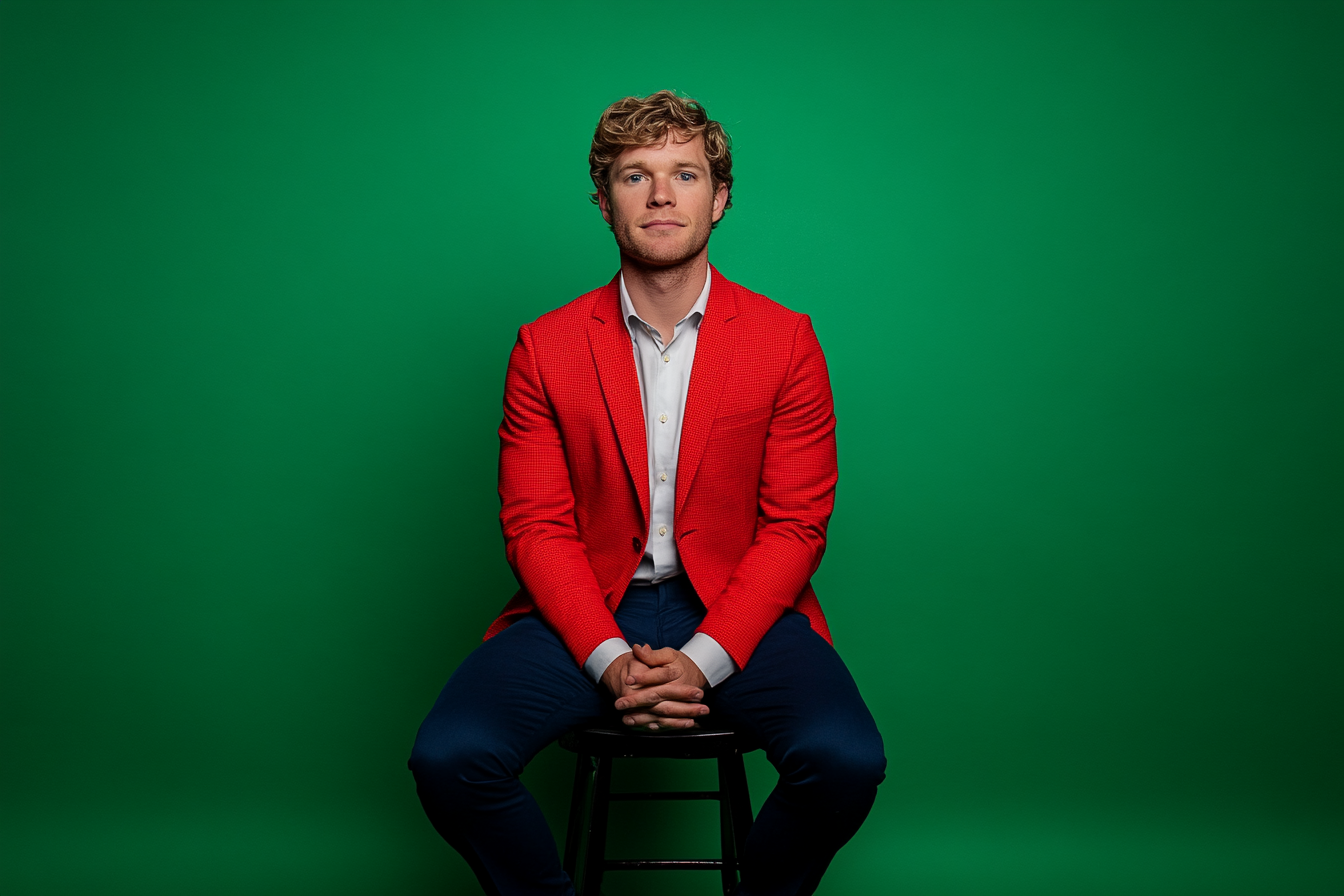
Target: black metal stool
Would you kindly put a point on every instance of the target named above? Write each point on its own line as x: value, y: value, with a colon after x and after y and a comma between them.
x: 596, y: 747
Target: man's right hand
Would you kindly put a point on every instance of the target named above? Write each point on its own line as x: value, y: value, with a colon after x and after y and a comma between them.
x: 677, y: 705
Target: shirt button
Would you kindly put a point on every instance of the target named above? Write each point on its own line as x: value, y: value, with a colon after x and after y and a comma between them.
x: 662, y: 530
x: 662, y: 477
x: 666, y: 359
x: 662, y: 418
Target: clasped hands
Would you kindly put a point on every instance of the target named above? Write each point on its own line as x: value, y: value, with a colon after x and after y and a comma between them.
x: 656, y: 688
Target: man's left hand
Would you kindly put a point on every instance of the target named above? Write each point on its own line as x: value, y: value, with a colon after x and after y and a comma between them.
x: 646, y: 705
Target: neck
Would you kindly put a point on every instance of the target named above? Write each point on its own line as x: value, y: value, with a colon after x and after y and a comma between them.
x: 662, y: 296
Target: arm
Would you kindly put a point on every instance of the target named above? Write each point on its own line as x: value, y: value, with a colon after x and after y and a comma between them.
x: 794, y: 502
x: 536, y: 513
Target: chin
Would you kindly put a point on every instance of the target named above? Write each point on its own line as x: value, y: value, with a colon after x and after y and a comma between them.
x: 658, y: 253
x: 665, y: 259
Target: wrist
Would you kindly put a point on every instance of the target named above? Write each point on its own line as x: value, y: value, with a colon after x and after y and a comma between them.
x: 606, y: 653
x: 710, y: 658
x: 613, y: 677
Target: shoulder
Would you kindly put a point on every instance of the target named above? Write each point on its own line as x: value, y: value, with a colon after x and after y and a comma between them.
x: 558, y: 341
x: 573, y: 316
x: 759, y: 312
x: 749, y: 302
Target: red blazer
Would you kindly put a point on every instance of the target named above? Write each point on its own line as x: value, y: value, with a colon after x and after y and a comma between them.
x: 756, y: 469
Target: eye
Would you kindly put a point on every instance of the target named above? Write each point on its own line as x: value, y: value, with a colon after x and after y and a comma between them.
x: 634, y: 178
x: 686, y: 176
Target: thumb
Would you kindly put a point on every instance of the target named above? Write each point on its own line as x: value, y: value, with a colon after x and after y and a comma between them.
x: 634, y: 668
x: 651, y: 657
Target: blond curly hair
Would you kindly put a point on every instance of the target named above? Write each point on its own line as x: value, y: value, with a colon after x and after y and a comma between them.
x: 645, y: 121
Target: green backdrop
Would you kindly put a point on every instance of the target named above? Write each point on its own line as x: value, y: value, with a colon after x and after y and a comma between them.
x: 1078, y: 268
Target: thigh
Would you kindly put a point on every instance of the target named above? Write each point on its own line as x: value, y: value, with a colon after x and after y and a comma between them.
x: 796, y: 697
x: 512, y: 696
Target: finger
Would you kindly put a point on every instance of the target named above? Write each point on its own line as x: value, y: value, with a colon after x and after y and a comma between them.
x: 650, y: 696
x: 650, y: 657
x: 656, y: 675
x: 672, y: 709
x: 633, y: 668
x: 653, y: 722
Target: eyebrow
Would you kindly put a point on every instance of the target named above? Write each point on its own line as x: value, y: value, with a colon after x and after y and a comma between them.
x: 640, y: 163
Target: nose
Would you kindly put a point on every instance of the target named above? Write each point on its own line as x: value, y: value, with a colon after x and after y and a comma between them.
x: 661, y: 193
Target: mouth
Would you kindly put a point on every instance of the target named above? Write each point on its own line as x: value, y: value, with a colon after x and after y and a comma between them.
x: 661, y: 225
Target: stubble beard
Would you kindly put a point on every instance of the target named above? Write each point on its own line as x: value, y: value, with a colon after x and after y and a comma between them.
x: 667, y: 251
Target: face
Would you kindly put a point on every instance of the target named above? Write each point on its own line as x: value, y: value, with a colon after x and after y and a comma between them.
x: 662, y: 201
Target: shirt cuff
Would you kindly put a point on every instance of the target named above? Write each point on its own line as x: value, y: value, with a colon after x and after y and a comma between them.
x: 710, y: 656
x: 604, y: 655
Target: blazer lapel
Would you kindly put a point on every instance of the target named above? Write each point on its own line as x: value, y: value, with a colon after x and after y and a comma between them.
x: 615, y: 361
x: 714, y: 348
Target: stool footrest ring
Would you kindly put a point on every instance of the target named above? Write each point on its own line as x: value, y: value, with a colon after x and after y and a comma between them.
x: 665, y: 864
x: 667, y: 795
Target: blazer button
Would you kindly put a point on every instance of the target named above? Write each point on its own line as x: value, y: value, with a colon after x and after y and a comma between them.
x: 639, y: 545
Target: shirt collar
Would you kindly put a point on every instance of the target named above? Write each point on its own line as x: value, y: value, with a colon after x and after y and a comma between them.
x: 695, y: 314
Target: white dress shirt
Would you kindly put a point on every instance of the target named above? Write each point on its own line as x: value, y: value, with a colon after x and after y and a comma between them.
x: 664, y: 379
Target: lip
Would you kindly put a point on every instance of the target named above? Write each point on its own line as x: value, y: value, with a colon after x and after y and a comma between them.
x: 661, y: 225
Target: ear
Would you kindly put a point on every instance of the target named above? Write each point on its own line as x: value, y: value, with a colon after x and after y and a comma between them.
x: 603, y: 203
x: 720, y: 202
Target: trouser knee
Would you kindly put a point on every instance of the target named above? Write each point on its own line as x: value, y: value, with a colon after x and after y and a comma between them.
x: 456, y: 769
x: 837, y: 773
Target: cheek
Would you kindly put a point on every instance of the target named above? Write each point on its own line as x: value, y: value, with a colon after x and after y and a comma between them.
x: 630, y: 208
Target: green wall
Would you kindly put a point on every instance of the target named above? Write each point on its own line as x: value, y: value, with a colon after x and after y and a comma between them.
x: 1079, y: 271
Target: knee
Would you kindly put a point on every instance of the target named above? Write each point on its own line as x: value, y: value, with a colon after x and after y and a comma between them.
x: 454, y: 762
x: 430, y: 767
x: 838, y: 768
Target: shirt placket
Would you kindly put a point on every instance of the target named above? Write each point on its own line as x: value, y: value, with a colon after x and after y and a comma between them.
x: 664, y: 440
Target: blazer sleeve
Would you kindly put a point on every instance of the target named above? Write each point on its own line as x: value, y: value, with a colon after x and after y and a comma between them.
x: 541, y: 539
x: 795, y: 499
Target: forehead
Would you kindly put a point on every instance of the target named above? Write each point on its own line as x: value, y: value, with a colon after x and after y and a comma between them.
x: 676, y: 148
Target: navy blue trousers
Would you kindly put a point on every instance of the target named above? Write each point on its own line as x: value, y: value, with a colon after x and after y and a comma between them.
x: 521, y: 690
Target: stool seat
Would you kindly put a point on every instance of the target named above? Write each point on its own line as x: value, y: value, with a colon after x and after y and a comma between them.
x: 672, y: 743
x: 597, y: 746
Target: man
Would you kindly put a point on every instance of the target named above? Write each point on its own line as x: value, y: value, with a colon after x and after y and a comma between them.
x: 667, y: 470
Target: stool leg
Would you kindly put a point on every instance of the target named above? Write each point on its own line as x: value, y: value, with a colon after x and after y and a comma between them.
x: 579, y: 808
x: 727, y: 841
x: 596, y: 853
x: 739, y: 800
